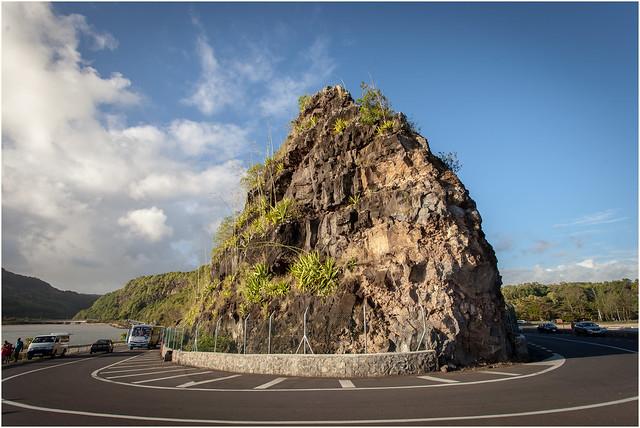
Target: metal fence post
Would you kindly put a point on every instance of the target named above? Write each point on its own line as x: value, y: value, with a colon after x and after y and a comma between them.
x: 182, y: 339
x: 244, y: 344
x: 196, y: 339
x: 305, y: 341
x: 215, y: 336
x: 269, y: 344
x: 364, y: 317
x: 424, y: 327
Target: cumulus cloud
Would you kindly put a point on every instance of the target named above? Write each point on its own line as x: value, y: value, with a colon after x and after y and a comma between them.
x: 588, y: 270
x: 149, y: 223
x: 74, y: 179
x: 197, y: 138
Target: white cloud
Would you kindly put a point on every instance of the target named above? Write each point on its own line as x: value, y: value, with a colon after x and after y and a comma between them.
x: 225, y: 83
x: 601, y: 217
x: 588, y: 270
x: 215, y: 88
x: 149, y: 223
x: 283, y: 92
x: 197, y: 138
x: 70, y: 184
x: 588, y: 263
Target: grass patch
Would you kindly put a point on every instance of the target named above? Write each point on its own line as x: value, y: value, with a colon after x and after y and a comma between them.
x: 315, y: 276
x: 374, y: 106
x: 303, y: 102
x: 385, y: 127
x: 339, y: 126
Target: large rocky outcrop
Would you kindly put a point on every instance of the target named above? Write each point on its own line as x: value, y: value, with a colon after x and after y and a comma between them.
x: 402, y: 228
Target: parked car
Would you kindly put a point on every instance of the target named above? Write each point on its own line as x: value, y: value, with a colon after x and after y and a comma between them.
x: 588, y: 328
x: 102, y: 345
x: 547, y: 327
x: 53, y: 344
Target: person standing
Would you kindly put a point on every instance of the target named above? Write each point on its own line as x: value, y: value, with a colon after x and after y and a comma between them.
x: 19, y: 346
x: 7, y: 349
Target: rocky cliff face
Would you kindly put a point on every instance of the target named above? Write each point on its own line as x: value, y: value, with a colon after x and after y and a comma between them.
x: 403, y: 233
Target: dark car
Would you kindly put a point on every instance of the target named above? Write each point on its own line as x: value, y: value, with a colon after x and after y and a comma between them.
x: 589, y: 328
x: 102, y: 345
x: 547, y: 327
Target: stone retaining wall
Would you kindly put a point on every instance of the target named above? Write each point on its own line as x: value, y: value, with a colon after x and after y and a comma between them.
x: 316, y: 365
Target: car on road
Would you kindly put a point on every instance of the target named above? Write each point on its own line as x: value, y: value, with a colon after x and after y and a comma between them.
x: 547, y: 327
x: 102, y: 345
x: 52, y: 345
x: 588, y: 328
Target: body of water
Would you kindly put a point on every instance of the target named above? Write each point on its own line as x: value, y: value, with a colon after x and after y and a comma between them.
x: 81, y: 334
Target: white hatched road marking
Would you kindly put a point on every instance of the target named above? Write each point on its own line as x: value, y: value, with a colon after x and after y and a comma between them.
x: 438, y: 379
x: 346, y: 384
x: 499, y: 373
x: 271, y: 383
x: 170, y: 377
x: 188, y: 384
x: 131, y: 366
x: 136, y: 369
x: 147, y: 374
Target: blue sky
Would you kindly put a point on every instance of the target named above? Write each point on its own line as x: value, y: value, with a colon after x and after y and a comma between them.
x: 538, y: 100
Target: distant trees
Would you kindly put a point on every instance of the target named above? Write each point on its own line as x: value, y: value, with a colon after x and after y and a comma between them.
x: 602, y: 301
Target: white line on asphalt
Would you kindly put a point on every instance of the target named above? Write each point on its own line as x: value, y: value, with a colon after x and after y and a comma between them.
x: 45, y: 368
x: 594, y: 344
x: 147, y: 374
x: 133, y: 366
x: 321, y: 422
x: 136, y: 369
x: 188, y: 384
x: 346, y: 384
x: 271, y: 383
x: 365, y: 388
x: 552, y: 360
x: 170, y: 377
x: 438, y: 379
x: 498, y: 373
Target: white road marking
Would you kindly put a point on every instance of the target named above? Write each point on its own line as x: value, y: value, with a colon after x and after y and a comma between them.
x: 45, y: 368
x: 594, y: 344
x: 135, y: 370
x: 170, y: 377
x: 149, y: 373
x: 132, y: 366
x: 188, y: 384
x: 438, y: 385
x: 552, y: 360
x: 498, y: 373
x: 346, y: 384
x: 321, y: 422
x: 438, y: 379
x: 271, y: 383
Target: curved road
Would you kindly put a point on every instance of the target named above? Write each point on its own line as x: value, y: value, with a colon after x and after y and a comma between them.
x: 575, y: 381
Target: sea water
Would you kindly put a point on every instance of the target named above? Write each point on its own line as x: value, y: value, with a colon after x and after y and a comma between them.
x: 81, y: 334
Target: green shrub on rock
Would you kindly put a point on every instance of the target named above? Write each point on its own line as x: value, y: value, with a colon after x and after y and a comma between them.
x: 315, y: 276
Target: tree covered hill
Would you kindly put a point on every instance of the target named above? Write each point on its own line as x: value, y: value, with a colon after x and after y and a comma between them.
x: 603, y: 301
x: 162, y: 299
x: 25, y: 297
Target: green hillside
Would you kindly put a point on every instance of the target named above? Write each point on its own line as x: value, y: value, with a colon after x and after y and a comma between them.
x: 24, y: 297
x: 159, y: 299
x: 604, y: 301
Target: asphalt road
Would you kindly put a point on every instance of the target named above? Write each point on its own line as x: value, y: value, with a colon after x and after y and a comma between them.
x: 575, y: 381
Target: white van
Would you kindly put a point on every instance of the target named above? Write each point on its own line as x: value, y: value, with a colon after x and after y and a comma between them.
x: 54, y: 344
x: 144, y: 336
